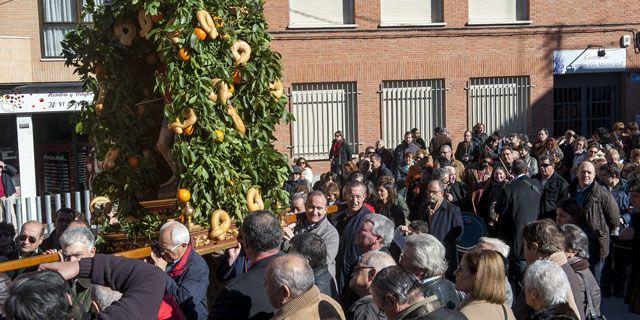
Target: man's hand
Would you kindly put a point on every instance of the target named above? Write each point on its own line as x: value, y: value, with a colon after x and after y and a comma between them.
x: 448, y: 196
x: 234, y: 253
x: 158, y: 261
x: 287, y: 232
x: 68, y: 270
x: 51, y: 251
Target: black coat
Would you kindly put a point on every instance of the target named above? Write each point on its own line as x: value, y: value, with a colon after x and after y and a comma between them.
x: 557, y: 312
x: 7, y: 179
x: 519, y: 206
x: 555, y: 190
x: 324, y: 281
x: 245, y: 297
x: 342, y: 156
x: 375, y: 176
x: 190, y: 288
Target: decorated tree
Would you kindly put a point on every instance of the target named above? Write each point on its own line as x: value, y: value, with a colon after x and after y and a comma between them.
x: 206, y: 68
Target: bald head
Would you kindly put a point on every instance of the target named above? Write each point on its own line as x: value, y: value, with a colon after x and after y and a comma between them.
x: 586, y: 173
x: 286, y: 278
x: 31, y: 236
x: 377, y: 260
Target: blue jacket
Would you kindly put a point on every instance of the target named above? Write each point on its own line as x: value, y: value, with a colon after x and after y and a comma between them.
x: 190, y: 288
x: 347, y: 225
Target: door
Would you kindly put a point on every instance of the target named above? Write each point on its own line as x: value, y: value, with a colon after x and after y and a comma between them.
x: 584, y: 103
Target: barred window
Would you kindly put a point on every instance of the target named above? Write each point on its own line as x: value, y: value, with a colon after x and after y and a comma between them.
x: 411, y: 104
x: 502, y: 104
x: 320, y: 109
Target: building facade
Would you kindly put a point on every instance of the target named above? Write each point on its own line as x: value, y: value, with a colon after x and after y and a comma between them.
x: 374, y: 69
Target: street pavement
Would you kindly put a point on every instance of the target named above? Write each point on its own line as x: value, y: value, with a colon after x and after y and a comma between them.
x: 615, y: 309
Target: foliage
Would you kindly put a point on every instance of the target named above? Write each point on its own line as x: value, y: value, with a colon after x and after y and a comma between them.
x: 218, y: 174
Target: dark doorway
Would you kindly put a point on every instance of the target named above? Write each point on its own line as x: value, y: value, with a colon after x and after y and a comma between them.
x: 585, y: 102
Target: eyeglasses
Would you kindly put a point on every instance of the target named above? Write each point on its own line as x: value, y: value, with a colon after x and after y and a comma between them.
x: 166, y: 251
x: 24, y: 237
x: 545, y: 165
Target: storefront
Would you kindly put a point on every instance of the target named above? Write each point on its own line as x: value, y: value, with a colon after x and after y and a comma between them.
x: 38, y: 137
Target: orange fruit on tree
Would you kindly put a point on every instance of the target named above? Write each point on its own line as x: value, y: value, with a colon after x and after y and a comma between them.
x: 184, y: 54
x: 189, y: 130
x: 184, y: 195
x: 133, y: 161
x: 220, y: 135
x: 200, y: 33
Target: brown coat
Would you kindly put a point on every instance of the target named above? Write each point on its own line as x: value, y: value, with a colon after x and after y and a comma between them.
x: 310, y: 305
x: 483, y: 310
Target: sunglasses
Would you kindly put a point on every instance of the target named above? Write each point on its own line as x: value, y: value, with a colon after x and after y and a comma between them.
x: 31, y: 239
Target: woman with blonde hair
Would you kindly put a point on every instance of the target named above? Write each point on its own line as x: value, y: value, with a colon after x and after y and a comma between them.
x: 480, y: 276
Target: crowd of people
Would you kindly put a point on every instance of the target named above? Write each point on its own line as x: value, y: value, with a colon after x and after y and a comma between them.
x: 380, y: 236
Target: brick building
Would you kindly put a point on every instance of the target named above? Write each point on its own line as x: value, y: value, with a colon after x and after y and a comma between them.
x: 377, y: 68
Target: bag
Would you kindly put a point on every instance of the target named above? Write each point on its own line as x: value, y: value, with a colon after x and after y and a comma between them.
x: 591, y: 312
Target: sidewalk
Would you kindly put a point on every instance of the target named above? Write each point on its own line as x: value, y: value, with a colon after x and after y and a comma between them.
x: 615, y: 309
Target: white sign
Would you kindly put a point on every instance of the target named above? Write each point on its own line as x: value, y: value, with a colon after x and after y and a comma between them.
x: 44, y: 99
x: 581, y: 61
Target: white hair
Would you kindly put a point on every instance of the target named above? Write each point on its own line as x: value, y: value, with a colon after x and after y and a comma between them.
x: 382, y: 227
x: 179, y: 233
x: 450, y: 169
x: 428, y: 254
x: 445, y: 146
x: 377, y: 260
x: 549, y: 281
x: 496, y: 245
x: 78, y: 234
x: 104, y: 296
x: 284, y: 273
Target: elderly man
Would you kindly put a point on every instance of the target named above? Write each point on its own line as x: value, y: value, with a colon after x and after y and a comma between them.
x: 79, y: 243
x: 347, y: 223
x: 424, y: 256
x: 312, y: 247
x: 446, y: 159
x: 29, y: 240
x: 546, y: 288
x: 375, y: 233
x: 363, y: 274
x: 290, y: 285
x: 187, y: 274
x: 445, y: 222
x: 64, y: 217
x: 543, y: 240
x: 244, y: 297
x: 601, y: 211
x: 315, y: 220
x: 517, y: 207
x: 398, y: 294
x: 554, y: 188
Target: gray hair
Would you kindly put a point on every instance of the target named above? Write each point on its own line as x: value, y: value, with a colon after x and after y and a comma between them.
x: 104, y: 296
x: 497, y: 245
x: 299, y: 195
x: 450, y: 170
x: 377, y: 260
x: 428, y: 254
x: 549, y: 281
x: 382, y: 227
x: 179, y: 233
x: 297, y: 276
x: 445, y: 146
x: 78, y: 234
x: 440, y: 175
x: 575, y: 240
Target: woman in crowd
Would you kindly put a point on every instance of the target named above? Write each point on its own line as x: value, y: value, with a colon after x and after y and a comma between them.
x: 307, y: 174
x: 479, y: 134
x: 552, y: 150
x: 332, y: 191
x: 477, y: 177
x: 491, y: 196
x: 480, y: 276
x: 392, y: 205
x: 546, y: 291
x: 403, y: 170
x: 340, y: 152
x: 570, y: 212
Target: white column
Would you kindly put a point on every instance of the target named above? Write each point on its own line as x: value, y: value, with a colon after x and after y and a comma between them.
x: 27, y: 163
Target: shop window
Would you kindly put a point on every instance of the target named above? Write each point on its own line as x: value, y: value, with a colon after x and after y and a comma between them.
x: 320, y: 109
x: 320, y: 13
x: 58, y: 18
x: 498, y: 11
x: 411, y: 104
x: 410, y: 12
x: 502, y: 104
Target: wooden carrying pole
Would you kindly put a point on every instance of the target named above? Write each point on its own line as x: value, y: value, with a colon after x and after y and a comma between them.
x: 139, y: 253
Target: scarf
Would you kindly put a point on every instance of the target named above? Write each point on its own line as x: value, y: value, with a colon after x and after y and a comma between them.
x: 180, y: 267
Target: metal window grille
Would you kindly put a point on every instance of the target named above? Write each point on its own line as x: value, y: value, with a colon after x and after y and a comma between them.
x: 502, y: 104
x: 411, y: 104
x: 566, y: 109
x: 320, y: 109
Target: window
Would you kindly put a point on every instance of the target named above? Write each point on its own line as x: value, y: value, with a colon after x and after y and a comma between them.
x: 59, y: 18
x: 410, y: 12
x: 497, y: 11
x: 502, y: 104
x: 411, y: 104
x: 320, y: 13
x: 320, y: 110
